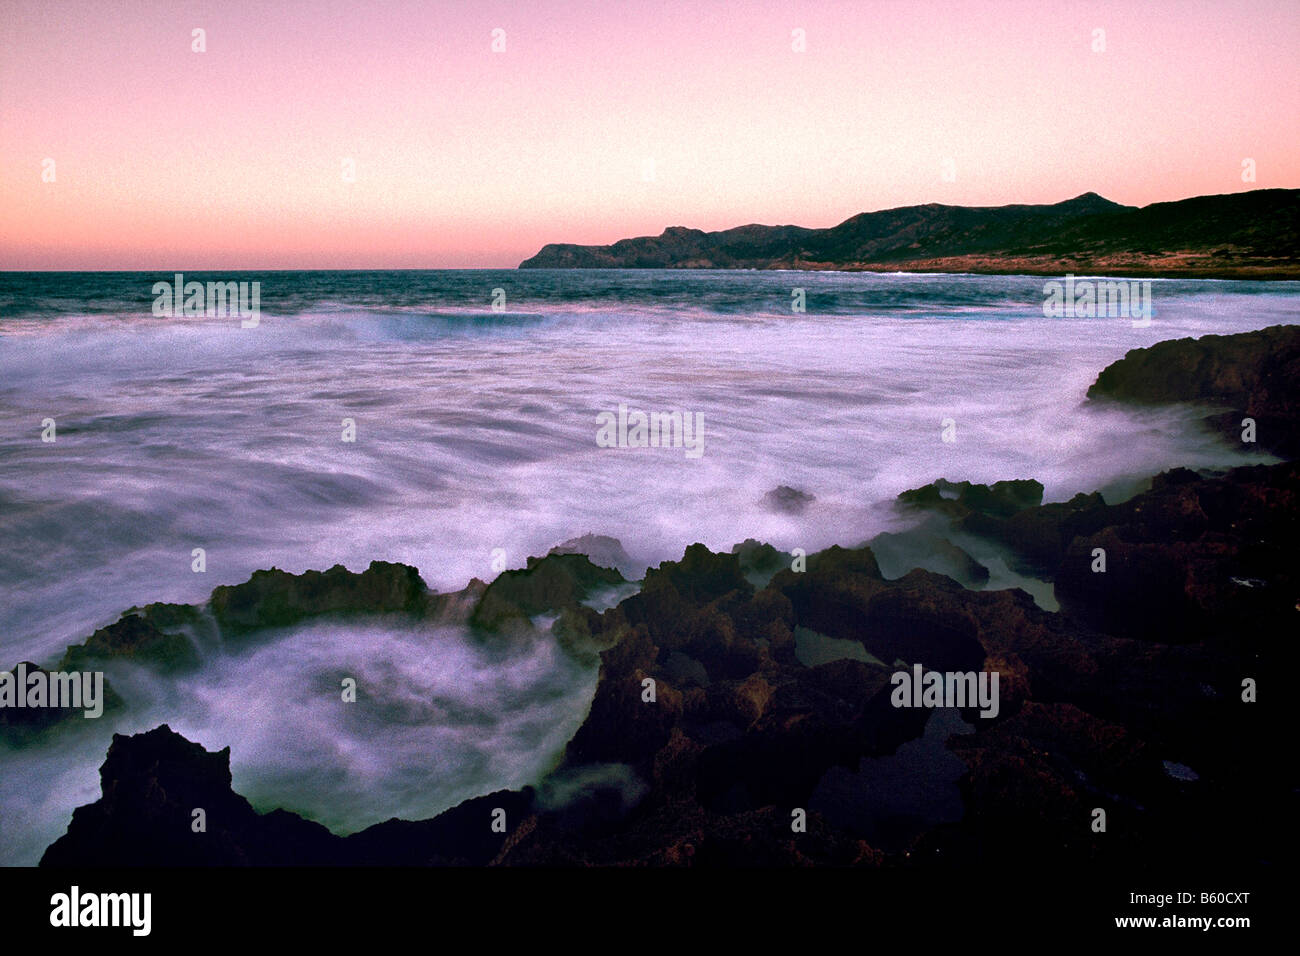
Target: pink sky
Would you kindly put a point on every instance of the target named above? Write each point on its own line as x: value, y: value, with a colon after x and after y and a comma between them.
x: 232, y: 158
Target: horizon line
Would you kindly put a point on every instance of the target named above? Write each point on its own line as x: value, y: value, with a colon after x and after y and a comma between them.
x: 516, y: 267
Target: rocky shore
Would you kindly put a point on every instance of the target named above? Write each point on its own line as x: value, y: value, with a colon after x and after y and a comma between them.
x: 710, y: 741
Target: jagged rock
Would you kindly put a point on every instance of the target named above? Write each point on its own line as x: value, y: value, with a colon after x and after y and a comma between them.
x: 138, y: 635
x: 461, y: 836
x: 577, y: 630
x: 152, y: 783
x: 20, y: 726
x: 789, y: 500
x: 739, y: 732
x: 1060, y: 761
x: 1176, y: 556
x: 917, y: 618
x: 276, y: 598
x: 1010, y: 514
x: 1038, y: 535
x: 960, y: 498
x: 547, y: 584
x: 1256, y: 374
x: 701, y: 576
x: 917, y: 548
x: 759, y: 561
x: 604, y: 551
x: 159, y: 636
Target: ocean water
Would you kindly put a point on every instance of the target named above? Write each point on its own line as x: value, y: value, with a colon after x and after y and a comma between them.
x: 476, y: 441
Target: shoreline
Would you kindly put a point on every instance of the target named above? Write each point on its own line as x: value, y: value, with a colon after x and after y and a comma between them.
x: 721, y: 650
x: 1088, y: 270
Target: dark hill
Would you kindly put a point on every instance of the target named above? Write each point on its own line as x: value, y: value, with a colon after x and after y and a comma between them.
x: 1239, y: 234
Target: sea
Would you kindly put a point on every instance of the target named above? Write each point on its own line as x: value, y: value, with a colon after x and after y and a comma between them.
x: 451, y: 420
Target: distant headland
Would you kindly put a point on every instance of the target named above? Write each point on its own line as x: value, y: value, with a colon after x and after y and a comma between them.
x: 1248, y: 235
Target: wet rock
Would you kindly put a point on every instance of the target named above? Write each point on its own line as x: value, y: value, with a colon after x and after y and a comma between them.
x: 739, y: 732
x: 1174, y: 556
x: 1062, y: 763
x: 461, y: 836
x: 700, y: 577
x: 151, y: 784
x: 917, y: 548
x: 919, y: 618
x: 759, y: 561
x: 787, y: 500
x: 1009, y: 514
x: 139, y: 636
x: 551, y: 583
x: 275, y: 598
x: 577, y: 630
x: 603, y: 551
x: 960, y: 498
x: 1256, y: 374
x: 1038, y: 536
x: 20, y: 726
x: 622, y: 724
x: 164, y: 637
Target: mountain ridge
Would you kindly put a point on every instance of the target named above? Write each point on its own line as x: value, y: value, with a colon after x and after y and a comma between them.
x: 1254, y: 234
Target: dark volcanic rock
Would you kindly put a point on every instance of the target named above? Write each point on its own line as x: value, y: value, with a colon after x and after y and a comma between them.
x: 1255, y: 374
x: 922, y: 549
x: 789, y: 500
x: 759, y: 561
x: 152, y: 784
x: 961, y: 498
x: 1038, y: 536
x: 1010, y: 514
x: 1192, y: 556
x: 161, y: 636
x: 739, y: 734
x: 20, y: 726
x: 604, y: 551
x: 276, y: 598
x: 917, y: 618
x: 547, y: 584
x: 706, y: 734
x: 1063, y: 762
x: 139, y: 636
x: 461, y: 836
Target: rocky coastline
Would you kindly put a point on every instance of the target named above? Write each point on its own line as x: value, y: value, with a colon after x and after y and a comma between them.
x: 709, y: 740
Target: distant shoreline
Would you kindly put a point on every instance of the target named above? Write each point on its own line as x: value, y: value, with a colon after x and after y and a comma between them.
x: 1247, y: 235
x: 1272, y: 273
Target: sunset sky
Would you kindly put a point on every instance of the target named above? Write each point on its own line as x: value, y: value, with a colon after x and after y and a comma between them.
x: 165, y: 158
